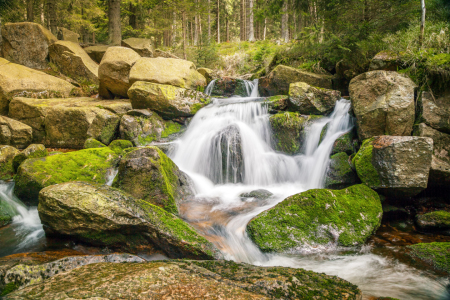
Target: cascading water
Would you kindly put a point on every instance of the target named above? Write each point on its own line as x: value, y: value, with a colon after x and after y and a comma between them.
x: 226, y: 150
x: 26, y: 232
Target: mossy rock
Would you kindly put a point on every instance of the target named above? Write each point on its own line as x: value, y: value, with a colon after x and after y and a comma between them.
x: 120, y: 146
x: 277, y: 103
x: 90, y: 165
x: 93, y: 143
x: 344, y: 144
x: 7, y: 154
x: 148, y: 174
x: 287, y: 131
x: 104, y: 216
x: 7, y: 212
x: 32, y: 151
x: 318, y: 217
x: 363, y: 164
x: 438, y: 220
x: 340, y: 173
x: 436, y: 254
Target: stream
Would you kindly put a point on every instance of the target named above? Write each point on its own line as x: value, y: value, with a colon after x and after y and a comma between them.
x: 227, y: 151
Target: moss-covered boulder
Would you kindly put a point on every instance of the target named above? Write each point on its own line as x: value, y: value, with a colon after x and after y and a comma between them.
x: 7, y: 154
x: 168, y: 101
x: 176, y: 72
x: 148, y: 174
x: 385, y: 60
x: 436, y: 220
x: 227, y: 87
x: 90, y: 165
x: 121, y: 146
x: 20, y: 81
x: 93, y: 143
x: 114, y: 71
x: 32, y: 151
x: 278, y: 81
x: 309, y: 100
x: 73, y: 61
x: 142, y: 127
x: 395, y: 165
x: 105, y: 216
x: 15, y: 133
x: 190, y: 280
x: 207, y: 73
x: 340, y: 173
x: 345, y: 143
x: 287, y: 130
x: 69, y: 123
x: 7, y: 212
x: 65, y: 34
x: 383, y: 103
x: 435, y: 254
x: 97, y: 52
x: 440, y: 164
x: 318, y: 217
x: 277, y: 103
x: 141, y: 46
x: 27, y: 44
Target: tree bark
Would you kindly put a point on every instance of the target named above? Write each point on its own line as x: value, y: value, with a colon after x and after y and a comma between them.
x: 251, y: 37
x: 115, y: 31
x: 43, y: 12
x: 218, y: 21
x: 174, y: 29
x: 422, y: 23
x: 52, y: 19
x: 284, y: 22
x: 242, y: 28
x: 228, y: 27
x: 209, y: 21
x: 132, y: 18
x: 30, y: 10
x: 184, y: 35
x: 265, y: 29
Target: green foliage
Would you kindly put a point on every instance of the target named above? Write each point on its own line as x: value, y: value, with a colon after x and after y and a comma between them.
x: 433, y: 253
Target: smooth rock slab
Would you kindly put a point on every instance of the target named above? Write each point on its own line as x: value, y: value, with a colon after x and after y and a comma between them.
x: 395, y: 165
x: 318, y: 217
x: 15, y: 133
x: 105, y: 216
x: 142, y: 46
x: 65, y: 34
x: 383, y: 103
x: 190, y: 280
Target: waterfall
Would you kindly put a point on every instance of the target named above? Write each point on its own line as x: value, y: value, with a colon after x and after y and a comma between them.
x: 210, y: 87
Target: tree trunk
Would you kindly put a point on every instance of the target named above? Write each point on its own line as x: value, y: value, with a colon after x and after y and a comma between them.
x: 196, y: 30
x: 43, y: 13
x: 265, y: 29
x: 242, y: 28
x: 209, y: 21
x: 30, y: 10
x: 251, y: 37
x: 184, y: 35
x: 115, y: 31
x: 174, y: 29
x: 422, y: 23
x: 52, y: 20
x: 285, y: 21
x: 218, y: 21
x: 132, y: 19
x: 228, y: 27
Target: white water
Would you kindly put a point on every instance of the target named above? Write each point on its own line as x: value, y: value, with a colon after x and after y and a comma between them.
x: 208, y: 152
x: 26, y: 232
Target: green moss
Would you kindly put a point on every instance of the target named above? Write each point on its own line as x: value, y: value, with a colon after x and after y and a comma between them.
x: 7, y: 154
x: 196, y: 107
x: 170, y: 128
x: 364, y: 167
x: 317, y: 217
x: 9, y: 288
x: 441, y: 218
x: 88, y: 165
x: 340, y: 173
x: 439, y: 60
x: 437, y: 254
x: 7, y: 212
x: 344, y: 144
x: 119, y: 146
x: 93, y: 143
x: 287, y: 128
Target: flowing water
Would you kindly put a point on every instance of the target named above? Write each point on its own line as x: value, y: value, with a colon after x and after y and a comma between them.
x: 227, y: 150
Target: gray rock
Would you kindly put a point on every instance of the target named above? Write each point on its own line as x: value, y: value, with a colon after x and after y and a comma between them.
x: 435, y: 112
x: 309, y: 100
x: 256, y: 194
x: 143, y: 47
x: 15, y: 133
x: 32, y: 151
x: 340, y: 173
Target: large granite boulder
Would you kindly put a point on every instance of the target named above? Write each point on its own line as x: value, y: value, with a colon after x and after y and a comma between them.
x: 20, y: 81
x: 168, y: 101
x: 277, y: 103
x: 96, y: 52
x: 176, y: 72
x: 32, y: 151
x: 287, y: 128
x: 148, y: 174
x: 106, y: 216
x: 164, y: 54
x: 278, y: 81
x: 65, y: 34
x: 383, y: 103
x: 385, y: 60
x: 7, y: 154
x: 309, y: 100
x: 436, y: 220
x: 90, y: 165
x: 440, y: 164
x: 318, y: 217
x: 141, y: 127
x: 345, y: 143
x: 69, y: 123
x: 73, y: 61
x: 227, y: 87
x: 143, y: 47
x: 395, y: 165
x: 435, y: 112
x: 435, y: 254
x: 340, y: 173
x: 207, y: 73
x: 15, y: 133
x: 27, y: 44
x: 189, y: 280
x: 114, y: 71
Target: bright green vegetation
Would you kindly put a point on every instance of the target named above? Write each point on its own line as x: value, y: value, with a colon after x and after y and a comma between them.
x: 9, y: 288
x: 33, y: 151
x: 364, y: 167
x: 437, y: 219
x: 344, y: 144
x: 340, y: 173
x: 170, y: 128
x: 318, y: 217
x: 7, y: 212
x: 436, y: 254
x: 7, y: 154
x: 93, y: 143
x: 287, y: 129
x: 120, y: 146
x: 88, y: 165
